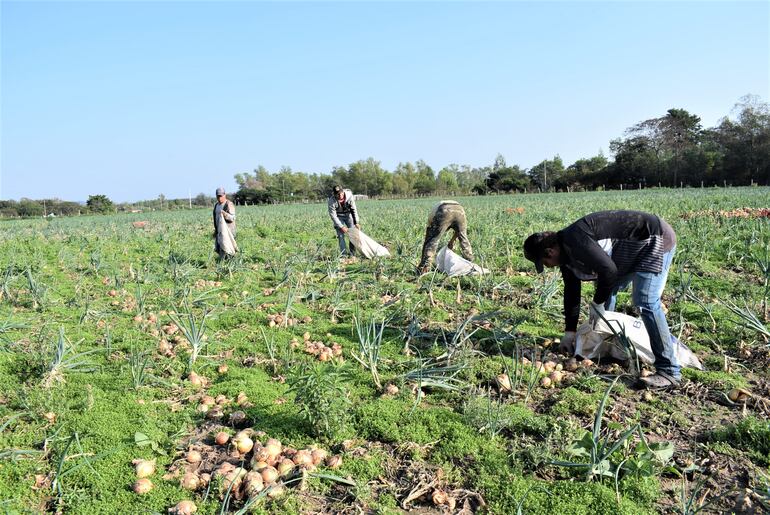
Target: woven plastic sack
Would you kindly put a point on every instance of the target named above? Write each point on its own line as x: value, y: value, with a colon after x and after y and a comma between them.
x: 600, y: 341
x: 365, y: 245
x: 454, y: 265
x: 225, y: 238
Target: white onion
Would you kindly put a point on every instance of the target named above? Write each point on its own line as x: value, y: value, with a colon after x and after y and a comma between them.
x: 142, y: 486
x: 144, y: 468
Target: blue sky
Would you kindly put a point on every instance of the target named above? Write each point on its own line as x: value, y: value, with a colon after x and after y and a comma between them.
x: 135, y: 99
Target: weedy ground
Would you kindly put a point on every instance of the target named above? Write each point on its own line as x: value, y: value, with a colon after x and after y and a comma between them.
x: 90, y: 379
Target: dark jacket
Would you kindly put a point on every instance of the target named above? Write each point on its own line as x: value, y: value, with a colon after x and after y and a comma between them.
x: 606, y: 246
x: 346, y: 207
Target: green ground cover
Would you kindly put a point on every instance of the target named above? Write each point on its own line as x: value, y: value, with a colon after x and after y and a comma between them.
x: 86, y: 364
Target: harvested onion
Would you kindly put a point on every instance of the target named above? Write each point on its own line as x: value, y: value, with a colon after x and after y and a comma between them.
x: 142, y: 486
x: 269, y: 474
x: 183, y: 508
x: 334, y: 462
x: 503, y: 383
x: 191, y: 481
x: 144, y: 468
x: 739, y: 395
x: 243, y: 443
x: 193, y: 456
x: 221, y: 438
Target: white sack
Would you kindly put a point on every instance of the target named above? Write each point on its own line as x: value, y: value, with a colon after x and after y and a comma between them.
x: 454, y: 265
x: 600, y: 342
x: 367, y: 246
x: 225, y: 238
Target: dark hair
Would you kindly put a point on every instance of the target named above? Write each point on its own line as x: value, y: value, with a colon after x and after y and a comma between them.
x: 336, y: 189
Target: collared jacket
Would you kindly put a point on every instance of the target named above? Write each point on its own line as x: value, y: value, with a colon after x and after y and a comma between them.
x: 606, y: 246
x: 346, y: 207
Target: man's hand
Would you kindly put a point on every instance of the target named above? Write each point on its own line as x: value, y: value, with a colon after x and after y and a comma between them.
x: 567, y: 344
x: 344, y: 229
x: 595, y: 313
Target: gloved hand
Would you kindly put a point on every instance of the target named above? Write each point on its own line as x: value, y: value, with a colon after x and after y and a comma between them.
x: 595, y: 313
x: 567, y: 343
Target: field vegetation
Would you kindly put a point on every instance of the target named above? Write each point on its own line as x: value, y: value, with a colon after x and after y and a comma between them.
x: 137, y: 372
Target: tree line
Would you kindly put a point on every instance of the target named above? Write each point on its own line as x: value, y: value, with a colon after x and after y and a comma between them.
x: 672, y: 150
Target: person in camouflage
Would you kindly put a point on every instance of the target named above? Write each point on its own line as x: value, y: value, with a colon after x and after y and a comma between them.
x: 445, y: 215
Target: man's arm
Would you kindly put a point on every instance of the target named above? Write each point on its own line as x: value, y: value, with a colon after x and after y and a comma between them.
x: 571, y: 299
x: 229, y: 213
x: 588, y: 251
x: 333, y: 214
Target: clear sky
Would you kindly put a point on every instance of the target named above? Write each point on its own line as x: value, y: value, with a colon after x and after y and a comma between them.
x: 135, y: 99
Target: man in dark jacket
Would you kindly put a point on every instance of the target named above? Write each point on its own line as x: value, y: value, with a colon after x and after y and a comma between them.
x: 344, y: 215
x: 614, y: 248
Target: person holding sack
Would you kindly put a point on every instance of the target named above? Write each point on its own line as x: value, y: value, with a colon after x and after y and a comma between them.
x: 615, y: 249
x: 445, y: 215
x: 224, y: 225
x: 342, y: 210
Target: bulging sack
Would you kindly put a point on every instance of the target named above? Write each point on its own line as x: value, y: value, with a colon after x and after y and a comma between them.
x: 601, y: 342
x: 454, y: 265
x: 225, y: 239
x: 365, y: 245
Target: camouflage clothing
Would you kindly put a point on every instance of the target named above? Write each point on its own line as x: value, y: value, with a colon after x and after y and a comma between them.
x: 447, y: 214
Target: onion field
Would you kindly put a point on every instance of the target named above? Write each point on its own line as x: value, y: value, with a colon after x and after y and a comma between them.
x: 140, y: 375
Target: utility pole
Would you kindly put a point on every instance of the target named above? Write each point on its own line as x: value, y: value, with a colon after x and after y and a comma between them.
x: 189, y: 196
x: 545, y: 176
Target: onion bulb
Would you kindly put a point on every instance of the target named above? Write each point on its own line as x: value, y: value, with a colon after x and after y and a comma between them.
x: 193, y: 456
x: 142, y: 486
x: 253, y: 484
x: 571, y: 365
x: 195, y: 379
x: 238, y: 418
x: 190, y: 481
x: 183, y: 508
x: 269, y: 474
x: 275, y: 491
x: 546, y: 382
x: 303, y: 458
x: 439, y: 497
x: 243, y: 443
x: 334, y: 462
x: 273, y: 447
x: 318, y: 456
x: 144, y: 468
x: 503, y: 383
x: 556, y: 376
x: 221, y: 438
x: 739, y: 395
x: 285, y: 467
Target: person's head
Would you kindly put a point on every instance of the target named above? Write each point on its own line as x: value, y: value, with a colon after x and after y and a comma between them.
x: 338, y: 192
x: 542, y: 248
x: 221, y: 195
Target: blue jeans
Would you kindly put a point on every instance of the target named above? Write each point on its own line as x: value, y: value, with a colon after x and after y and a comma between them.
x: 646, y: 293
x: 347, y: 221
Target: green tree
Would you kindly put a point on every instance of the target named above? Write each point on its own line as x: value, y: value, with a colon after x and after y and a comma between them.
x: 100, y: 204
